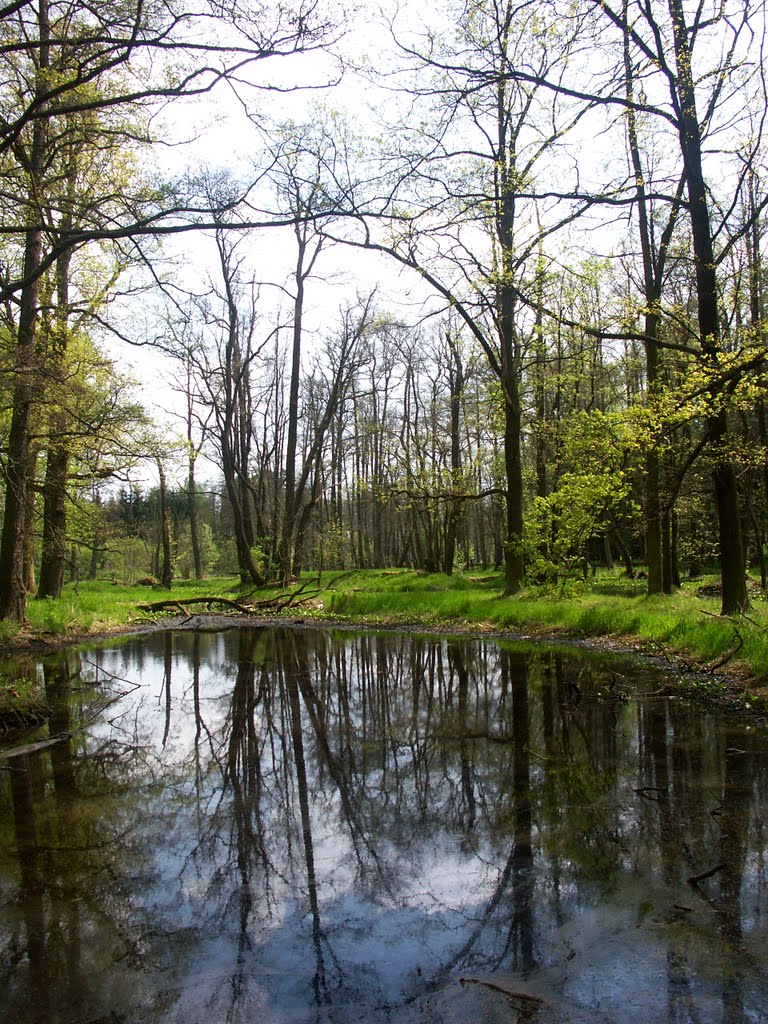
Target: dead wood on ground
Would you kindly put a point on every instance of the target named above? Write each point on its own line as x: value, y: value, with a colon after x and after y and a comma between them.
x: 244, y: 606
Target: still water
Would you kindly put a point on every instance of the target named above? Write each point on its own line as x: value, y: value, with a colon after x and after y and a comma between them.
x: 280, y: 827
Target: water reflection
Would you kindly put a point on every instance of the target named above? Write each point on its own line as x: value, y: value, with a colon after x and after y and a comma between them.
x: 304, y: 826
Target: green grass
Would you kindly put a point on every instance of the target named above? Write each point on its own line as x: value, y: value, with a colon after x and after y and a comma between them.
x: 94, y: 607
x: 683, y: 625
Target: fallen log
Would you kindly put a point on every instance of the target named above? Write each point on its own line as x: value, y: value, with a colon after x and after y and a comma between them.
x: 244, y: 606
x: 169, y: 603
x: 31, y: 748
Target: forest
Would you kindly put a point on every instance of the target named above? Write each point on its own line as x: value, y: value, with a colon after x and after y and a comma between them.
x: 478, y: 286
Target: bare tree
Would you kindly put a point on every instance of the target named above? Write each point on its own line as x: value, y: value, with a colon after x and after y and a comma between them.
x: 465, y: 209
x: 63, y: 58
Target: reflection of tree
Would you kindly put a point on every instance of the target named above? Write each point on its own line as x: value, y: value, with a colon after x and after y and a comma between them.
x: 57, y: 676
x: 584, y: 735
x: 734, y: 826
x: 329, y: 787
x: 167, y: 681
x: 24, y: 778
x: 74, y: 912
x: 319, y: 981
x: 362, y: 837
x: 523, y: 878
x: 512, y: 897
x: 243, y: 777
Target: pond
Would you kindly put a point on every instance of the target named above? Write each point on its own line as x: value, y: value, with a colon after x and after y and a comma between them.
x: 294, y: 825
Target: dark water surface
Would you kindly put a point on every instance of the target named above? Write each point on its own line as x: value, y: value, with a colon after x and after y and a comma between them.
x: 280, y: 827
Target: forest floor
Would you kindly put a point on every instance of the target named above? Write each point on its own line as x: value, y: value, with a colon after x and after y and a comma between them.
x: 711, y: 658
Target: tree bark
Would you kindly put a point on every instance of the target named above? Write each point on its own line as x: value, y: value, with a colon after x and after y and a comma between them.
x: 653, y: 276
x: 192, y: 512
x: 305, y: 261
x: 456, y: 387
x: 734, y: 584
x: 166, y: 571
x: 514, y: 562
x: 54, y: 555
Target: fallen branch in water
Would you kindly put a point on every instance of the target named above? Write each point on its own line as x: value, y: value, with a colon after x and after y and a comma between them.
x: 514, y: 993
x: 287, y: 598
x: 31, y: 748
x: 244, y: 606
x: 695, y: 879
x: 170, y: 603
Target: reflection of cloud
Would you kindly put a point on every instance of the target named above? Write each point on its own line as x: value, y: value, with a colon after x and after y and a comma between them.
x: 378, y: 957
x: 561, y: 867
x: 379, y: 947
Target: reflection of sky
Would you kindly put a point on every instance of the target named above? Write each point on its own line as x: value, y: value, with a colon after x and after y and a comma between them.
x: 384, y: 918
x: 214, y: 882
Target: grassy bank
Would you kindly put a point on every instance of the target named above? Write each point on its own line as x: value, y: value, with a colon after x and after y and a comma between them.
x: 684, y: 626
x: 102, y: 607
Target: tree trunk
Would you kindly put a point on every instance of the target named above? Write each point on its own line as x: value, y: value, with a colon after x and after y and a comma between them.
x: 12, y: 584
x: 93, y: 567
x: 30, y: 552
x: 456, y: 385
x: 166, y: 571
x: 653, y: 274
x: 514, y: 563
x: 732, y: 565
x: 194, y: 521
x: 734, y: 595
x: 17, y: 494
x: 54, y: 555
x: 290, y: 510
x: 246, y: 565
x: 607, y: 550
x: 666, y: 550
x: 13, y: 604
x: 673, y: 543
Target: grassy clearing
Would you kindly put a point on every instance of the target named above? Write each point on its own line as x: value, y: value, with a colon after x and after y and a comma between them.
x: 100, y: 607
x: 685, y: 624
